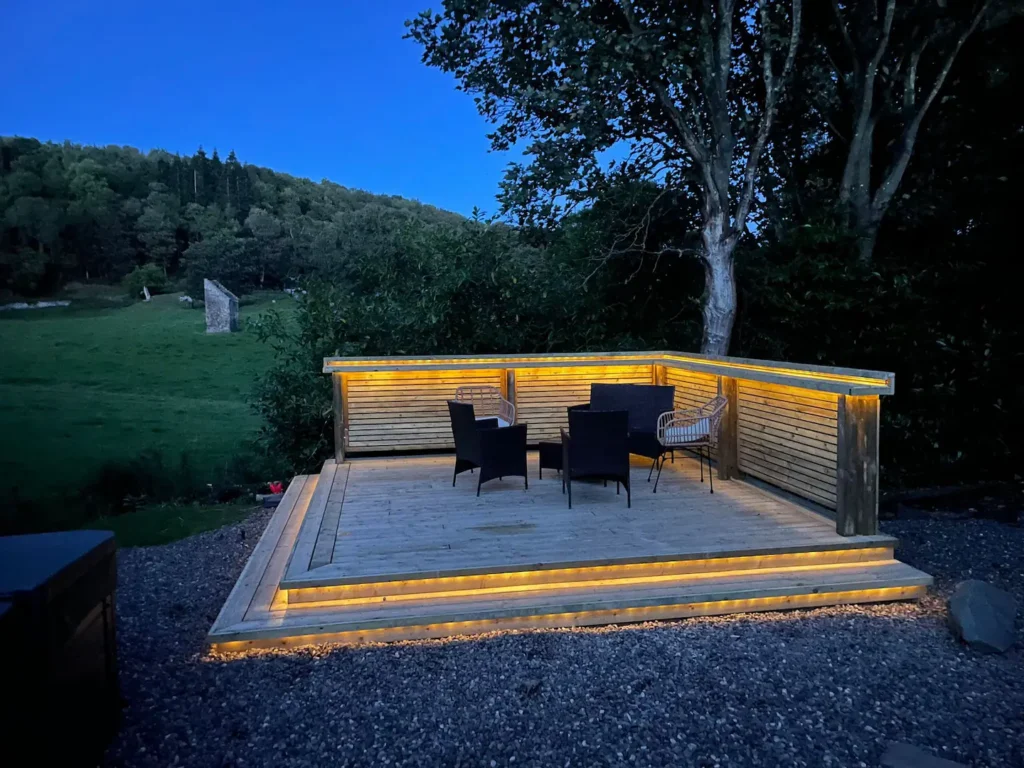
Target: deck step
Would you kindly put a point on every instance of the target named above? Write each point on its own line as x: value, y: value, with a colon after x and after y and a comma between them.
x: 558, y: 576
x: 381, y: 619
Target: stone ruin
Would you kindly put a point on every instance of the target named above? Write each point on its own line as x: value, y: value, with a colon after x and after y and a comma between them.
x: 221, y: 308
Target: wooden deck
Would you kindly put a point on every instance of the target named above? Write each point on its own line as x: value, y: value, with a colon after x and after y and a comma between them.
x: 383, y: 549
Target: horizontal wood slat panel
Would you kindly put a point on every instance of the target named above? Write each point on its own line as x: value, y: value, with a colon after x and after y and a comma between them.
x: 788, y: 437
x: 543, y: 394
x: 406, y: 411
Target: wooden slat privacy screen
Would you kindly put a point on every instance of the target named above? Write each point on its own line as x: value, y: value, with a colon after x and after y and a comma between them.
x: 787, y: 437
x: 405, y: 411
x: 542, y: 394
x: 809, y: 430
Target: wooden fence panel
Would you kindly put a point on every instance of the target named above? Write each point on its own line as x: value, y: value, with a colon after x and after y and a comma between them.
x: 542, y: 394
x: 788, y: 437
x: 406, y: 411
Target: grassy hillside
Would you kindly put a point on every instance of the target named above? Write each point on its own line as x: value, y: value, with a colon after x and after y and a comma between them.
x: 81, y: 387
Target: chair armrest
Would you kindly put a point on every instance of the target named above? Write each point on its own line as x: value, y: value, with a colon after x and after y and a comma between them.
x: 489, y: 423
x: 580, y: 407
x: 503, y: 443
x: 507, y: 412
x: 684, y: 419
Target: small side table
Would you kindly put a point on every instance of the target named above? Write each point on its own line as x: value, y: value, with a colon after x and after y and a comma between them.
x: 550, y: 456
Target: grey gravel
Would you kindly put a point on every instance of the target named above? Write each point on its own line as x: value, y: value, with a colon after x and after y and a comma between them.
x: 825, y: 687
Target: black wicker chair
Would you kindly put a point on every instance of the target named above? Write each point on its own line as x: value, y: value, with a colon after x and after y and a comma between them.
x: 596, y: 447
x: 645, y: 403
x: 482, y: 445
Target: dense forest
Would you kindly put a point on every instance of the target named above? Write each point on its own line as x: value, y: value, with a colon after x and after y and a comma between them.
x: 877, y: 232
x: 69, y: 212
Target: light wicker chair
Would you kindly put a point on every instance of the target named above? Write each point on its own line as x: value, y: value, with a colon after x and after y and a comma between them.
x: 488, y: 403
x: 694, y: 430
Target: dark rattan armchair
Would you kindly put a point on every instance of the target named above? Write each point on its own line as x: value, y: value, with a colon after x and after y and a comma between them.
x: 495, y: 451
x: 596, y: 447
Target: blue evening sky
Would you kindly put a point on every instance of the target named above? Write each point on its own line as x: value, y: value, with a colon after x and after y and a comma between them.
x: 316, y: 89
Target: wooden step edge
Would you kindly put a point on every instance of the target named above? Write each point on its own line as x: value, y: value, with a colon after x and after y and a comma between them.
x: 274, y: 634
x: 334, y: 576
x: 637, y: 574
x: 245, y: 587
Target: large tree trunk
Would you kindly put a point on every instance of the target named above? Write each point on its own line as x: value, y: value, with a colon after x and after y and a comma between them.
x: 719, y: 308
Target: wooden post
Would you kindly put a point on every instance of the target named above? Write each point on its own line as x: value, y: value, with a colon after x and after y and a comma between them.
x: 857, y: 466
x: 339, y: 417
x: 728, y: 432
x: 509, y: 386
x: 658, y: 374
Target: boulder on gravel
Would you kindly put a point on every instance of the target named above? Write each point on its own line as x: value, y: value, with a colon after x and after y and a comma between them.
x: 983, y: 616
x: 900, y: 755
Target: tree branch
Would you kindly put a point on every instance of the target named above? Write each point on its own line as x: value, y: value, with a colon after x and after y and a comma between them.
x: 891, y: 181
x: 773, y: 88
x: 844, y: 31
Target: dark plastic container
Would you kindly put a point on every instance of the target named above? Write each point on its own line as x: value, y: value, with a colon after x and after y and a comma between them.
x: 58, y: 656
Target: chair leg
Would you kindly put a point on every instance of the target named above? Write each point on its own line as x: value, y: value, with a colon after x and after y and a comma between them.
x: 455, y: 474
x: 526, y: 480
x: 568, y: 485
x: 711, y: 476
x: 660, y: 467
x: 651, y: 473
x: 700, y: 460
x: 629, y: 498
x: 479, y: 482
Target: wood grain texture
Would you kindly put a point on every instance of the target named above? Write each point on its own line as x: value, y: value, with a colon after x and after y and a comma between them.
x: 339, y: 416
x: 728, y: 439
x: 403, y: 519
x: 543, y: 394
x: 788, y: 437
x: 745, y: 549
x: 857, y: 489
x: 406, y: 410
x: 811, y: 377
x: 237, y: 604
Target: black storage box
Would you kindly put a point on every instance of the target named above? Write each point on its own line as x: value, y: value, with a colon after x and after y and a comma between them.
x: 58, y: 659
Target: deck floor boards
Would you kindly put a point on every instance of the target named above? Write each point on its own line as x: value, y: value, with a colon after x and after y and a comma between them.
x: 402, y: 516
x: 379, y: 549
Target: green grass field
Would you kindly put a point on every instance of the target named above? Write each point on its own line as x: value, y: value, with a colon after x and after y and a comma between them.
x: 164, y: 523
x: 80, y: 387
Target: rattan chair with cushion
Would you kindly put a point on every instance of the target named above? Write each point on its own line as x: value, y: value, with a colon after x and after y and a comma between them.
x: 488, y: 403
x: 495, y: 451
x: 596, y: 447
x: 694, y: 430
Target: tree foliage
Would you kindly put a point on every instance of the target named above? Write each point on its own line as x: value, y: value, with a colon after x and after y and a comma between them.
x: 94, y: 213
x: 679, y: 93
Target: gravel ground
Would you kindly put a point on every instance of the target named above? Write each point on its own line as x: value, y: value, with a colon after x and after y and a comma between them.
x: 826, y: 687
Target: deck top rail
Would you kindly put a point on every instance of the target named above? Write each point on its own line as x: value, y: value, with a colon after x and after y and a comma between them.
x: 840, y: 381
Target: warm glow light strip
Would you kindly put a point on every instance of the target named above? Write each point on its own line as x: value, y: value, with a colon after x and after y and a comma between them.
x: 562, y: 578
x: 580, y: 618
x: 873, y: 382
x: 610, y: 581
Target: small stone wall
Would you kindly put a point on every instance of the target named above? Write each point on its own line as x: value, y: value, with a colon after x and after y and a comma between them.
x: 221, y: 308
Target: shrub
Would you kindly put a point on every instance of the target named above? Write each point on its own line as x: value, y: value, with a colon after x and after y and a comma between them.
x: 148, y: 275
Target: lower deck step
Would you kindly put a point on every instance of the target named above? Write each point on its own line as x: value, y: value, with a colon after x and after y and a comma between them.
x: 387, y: 618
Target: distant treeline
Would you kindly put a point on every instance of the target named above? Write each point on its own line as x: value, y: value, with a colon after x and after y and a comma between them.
x: 69, y: 212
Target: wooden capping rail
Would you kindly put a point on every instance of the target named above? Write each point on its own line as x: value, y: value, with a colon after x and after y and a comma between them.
x: 840, y: 381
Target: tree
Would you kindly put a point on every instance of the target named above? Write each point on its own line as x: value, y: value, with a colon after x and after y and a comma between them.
x: 667, y: 83
x: 266, y: 229
x: 889, y: 65
x: 157, y: 225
